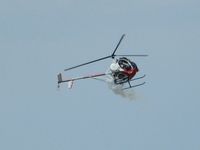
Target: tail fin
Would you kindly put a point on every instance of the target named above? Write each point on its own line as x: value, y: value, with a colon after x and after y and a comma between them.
x: 59, y: 78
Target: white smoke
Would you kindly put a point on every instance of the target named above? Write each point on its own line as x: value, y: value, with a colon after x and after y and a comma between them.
x: 118, y: 89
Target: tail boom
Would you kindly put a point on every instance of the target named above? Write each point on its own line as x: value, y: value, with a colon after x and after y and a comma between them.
x: 70, y: 81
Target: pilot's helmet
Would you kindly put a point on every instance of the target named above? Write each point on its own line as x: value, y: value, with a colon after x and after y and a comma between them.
x: 114, y: 67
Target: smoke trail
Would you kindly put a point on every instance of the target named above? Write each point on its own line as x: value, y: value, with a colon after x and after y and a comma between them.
x: 118, y: 89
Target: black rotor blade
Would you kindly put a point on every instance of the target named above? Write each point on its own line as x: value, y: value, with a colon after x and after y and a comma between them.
x: 88, y: 63
x: 133, y: 55
x: 113, y: 54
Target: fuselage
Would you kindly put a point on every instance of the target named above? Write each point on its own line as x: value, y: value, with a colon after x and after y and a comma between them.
x: 123, y: 70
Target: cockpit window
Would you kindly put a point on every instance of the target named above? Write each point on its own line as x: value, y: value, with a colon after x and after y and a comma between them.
x: 124, y: 64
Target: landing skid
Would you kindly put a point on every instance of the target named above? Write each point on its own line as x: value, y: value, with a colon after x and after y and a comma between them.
x: 133, y: 86
x: 138, y: 78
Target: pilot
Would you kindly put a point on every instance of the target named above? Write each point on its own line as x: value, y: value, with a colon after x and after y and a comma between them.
x: 114, y: 67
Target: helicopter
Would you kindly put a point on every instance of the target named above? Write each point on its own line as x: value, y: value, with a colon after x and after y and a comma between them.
x: 122, y: 70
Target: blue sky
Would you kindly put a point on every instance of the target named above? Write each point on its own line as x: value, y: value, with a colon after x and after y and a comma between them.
x: 40, y: 38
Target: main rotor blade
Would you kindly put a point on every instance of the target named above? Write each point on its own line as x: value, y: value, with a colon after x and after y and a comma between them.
x: 133, y: 55
x: 113, y: 54
x: 87, y: 63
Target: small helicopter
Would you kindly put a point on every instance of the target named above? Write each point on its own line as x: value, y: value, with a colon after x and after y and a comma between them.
x: 122, y: 70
